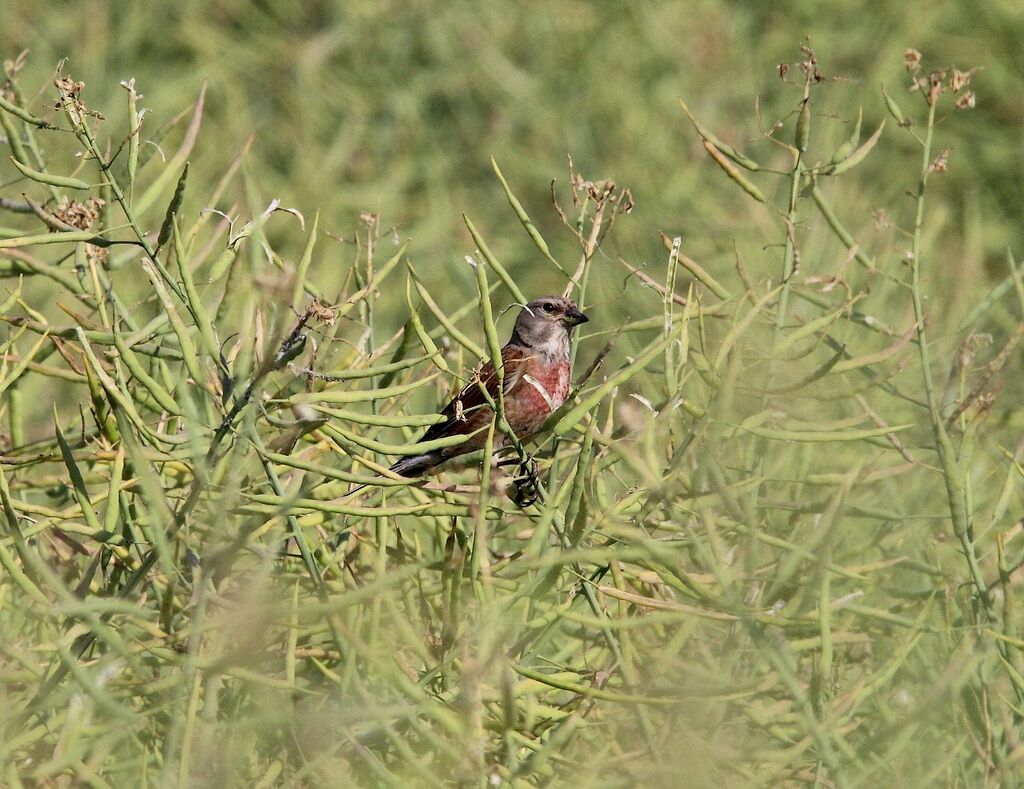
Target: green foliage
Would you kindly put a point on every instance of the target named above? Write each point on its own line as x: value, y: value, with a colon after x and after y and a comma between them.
x: 777, y: 538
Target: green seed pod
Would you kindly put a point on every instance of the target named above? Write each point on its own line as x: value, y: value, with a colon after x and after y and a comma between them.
x: 13, y: 138
x: 101, y: 408
x: 740, y: 159
x: 732, y: 172
x: 893, y: 107
x: 134, y: 133
x: 223, y: 262
x: 173, y: 208
x: 24, y: 114
x: 858, y: 155
x: 47, y: 178
x: 15, y: 413
x: 851, y: 144
x: 524, y: 218
x: 803, y: 126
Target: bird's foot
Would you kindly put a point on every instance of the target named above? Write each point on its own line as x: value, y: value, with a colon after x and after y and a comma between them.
x: 524, y: 489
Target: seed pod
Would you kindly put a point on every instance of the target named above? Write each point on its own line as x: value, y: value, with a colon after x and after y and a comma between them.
x: 223, y: 262
x: 732, y: 172
x: 894, y: 108
x: 524, y: 218
x: 135, y: 367
x: 134, y: 133
x: 47, y: 178
x: 173, y: 208
x: 24, y: 114
x: 740, y: 159
x: 13, y: 138
x: 803, y: 126
x: 101, y: 408
x: 15, y: 416
x: 858, y: 155
x: 851, y: 144
x: 56, y: 238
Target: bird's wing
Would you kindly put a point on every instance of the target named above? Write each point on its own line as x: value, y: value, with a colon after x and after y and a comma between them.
x: 470, y: 401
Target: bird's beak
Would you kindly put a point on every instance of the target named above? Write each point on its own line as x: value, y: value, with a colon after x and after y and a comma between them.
x: 574, y: 317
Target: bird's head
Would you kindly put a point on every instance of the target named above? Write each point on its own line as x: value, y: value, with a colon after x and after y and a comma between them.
x: 547, y: 320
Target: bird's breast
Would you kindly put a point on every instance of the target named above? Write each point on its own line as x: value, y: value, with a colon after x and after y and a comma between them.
x: 542, y: 388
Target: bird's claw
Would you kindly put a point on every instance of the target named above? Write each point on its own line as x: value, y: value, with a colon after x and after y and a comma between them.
x: 524, y: 489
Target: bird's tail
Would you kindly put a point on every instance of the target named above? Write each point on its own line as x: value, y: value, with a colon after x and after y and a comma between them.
x: 411, y: 466
x: 417, y: 465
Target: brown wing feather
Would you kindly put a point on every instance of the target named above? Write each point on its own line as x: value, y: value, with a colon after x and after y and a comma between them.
x: 472, y: 399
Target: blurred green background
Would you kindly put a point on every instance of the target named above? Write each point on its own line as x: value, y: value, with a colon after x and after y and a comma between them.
x: 395, y: 107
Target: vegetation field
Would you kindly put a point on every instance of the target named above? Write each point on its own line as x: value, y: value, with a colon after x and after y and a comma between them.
x: 249, y: 250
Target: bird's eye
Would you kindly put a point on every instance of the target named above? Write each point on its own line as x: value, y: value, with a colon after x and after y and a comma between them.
x: 548, y: 307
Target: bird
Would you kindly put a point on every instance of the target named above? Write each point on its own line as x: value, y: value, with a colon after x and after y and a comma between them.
x: 536, y: 365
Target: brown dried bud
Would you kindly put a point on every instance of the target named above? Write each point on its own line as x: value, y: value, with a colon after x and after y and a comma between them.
x: 97, y: 255
x: 935, y: 80
x: 12, y: 67
x: 69, y: 99
x: 965, y: 101
x: 912, y: 60
x: 941, y: 162
x: 323, y: 312
x: 79, y: 215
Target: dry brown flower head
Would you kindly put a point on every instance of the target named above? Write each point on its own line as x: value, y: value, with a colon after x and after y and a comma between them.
x: 79, y: 215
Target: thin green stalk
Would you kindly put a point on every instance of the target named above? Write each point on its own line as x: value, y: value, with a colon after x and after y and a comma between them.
x: 951, y: 472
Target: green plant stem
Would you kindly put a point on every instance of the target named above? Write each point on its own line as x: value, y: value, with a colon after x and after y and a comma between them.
x: 951, y: 472
x: 83, y: 134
